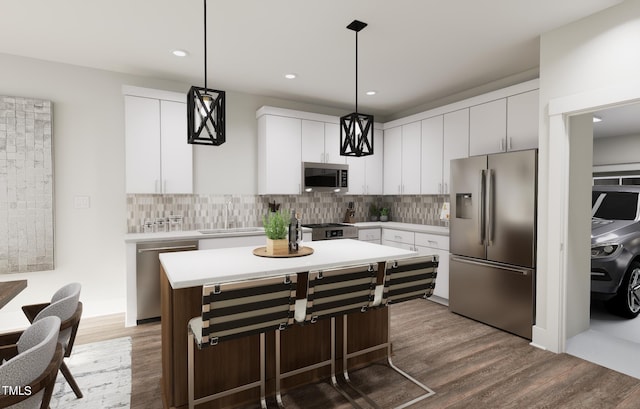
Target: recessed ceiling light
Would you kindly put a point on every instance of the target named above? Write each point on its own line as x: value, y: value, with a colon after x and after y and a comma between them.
x: 179, y: 53
x: 596, y: 119
x: 372, y: 92
x: 291, y: 76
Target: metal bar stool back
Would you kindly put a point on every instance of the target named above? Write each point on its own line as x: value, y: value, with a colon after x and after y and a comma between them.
x: 404, y: 280
x: 331, y: 293
x: 237, y: 309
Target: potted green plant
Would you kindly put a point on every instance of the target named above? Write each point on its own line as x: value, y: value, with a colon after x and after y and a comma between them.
x: 384, y: 214
x: 276, y: 227
x: 373, y: 212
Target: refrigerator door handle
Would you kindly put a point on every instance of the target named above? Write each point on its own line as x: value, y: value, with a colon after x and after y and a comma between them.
x: 490, y: 206
x: 481, y: 208
x: 515, y: 270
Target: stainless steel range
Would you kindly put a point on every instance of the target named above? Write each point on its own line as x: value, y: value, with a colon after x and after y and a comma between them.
x: 331, y: 231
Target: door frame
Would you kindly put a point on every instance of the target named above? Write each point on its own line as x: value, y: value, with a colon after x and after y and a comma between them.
x: 555, y: 292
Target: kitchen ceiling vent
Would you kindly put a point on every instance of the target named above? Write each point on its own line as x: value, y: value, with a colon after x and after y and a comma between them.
x: 205, y: 108
x: 356, y: 129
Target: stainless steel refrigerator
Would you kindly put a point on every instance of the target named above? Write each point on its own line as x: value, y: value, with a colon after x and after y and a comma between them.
x: 493, y: 239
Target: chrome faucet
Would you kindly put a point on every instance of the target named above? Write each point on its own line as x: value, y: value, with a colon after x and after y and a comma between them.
x: 227, y: 208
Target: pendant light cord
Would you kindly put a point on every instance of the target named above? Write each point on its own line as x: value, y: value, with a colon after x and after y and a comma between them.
x: 205, y: 45
x: 356, y: 72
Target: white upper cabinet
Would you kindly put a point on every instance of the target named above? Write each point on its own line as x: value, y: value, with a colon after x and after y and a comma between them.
x: 488, y: 128
x: 142, y: 140
x: 279, y: 155
x: 321, y: 142
x: 507, y: 124
x: 522, y: 121
x: 176, y: 153
x: 312, y: 141
x: 158, y: 157
x: 402, y: 159
x: 392, y: 159
x: 332, y: 144
x: 357, y: 175
x: 411, y: 141
x: 366, y: 173
x: 431, y: 156
x: 455, y: 142
x: 375, y: 165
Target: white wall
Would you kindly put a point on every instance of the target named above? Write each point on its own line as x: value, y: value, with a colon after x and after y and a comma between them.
x: 88, y: 139
x: 594, y: 59
x: 579, y: 223
x: 232, y: 167
x: 616, y: 150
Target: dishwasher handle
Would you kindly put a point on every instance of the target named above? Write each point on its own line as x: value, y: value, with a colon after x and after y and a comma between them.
x: 170, y: 248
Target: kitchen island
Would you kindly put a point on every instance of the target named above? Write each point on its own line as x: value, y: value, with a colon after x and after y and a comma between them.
x: 184, y: 273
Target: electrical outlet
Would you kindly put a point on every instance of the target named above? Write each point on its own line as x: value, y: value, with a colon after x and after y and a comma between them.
x: 81, y: 202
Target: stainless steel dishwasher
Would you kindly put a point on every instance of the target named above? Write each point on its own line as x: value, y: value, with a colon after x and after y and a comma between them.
x: 148, y: 275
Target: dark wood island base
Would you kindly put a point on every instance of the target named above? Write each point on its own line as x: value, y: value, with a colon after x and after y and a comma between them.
x: 223, y: 366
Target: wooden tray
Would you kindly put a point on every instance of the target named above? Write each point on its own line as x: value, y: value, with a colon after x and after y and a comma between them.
x: 303, y: 251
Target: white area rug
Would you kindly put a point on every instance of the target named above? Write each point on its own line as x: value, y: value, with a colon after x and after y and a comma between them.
x: 103, y: 373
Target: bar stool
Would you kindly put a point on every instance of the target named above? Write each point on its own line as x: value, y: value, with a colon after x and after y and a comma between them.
x: 236, y: 309
x: 404, y: 280
x: 331, y: 293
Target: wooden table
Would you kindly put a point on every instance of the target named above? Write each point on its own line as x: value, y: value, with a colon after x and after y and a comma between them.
x: 9, y: 289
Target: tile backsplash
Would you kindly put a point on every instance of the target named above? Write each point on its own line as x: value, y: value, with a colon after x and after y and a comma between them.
x: 208, y: 211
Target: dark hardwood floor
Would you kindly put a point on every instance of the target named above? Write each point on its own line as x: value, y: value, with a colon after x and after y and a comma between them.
x: 467, y: 364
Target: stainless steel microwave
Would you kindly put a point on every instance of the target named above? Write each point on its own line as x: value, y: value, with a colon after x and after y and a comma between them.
x: 325, y: 177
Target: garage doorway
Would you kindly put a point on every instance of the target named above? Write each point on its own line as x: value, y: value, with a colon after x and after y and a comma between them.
x: 612, y: 341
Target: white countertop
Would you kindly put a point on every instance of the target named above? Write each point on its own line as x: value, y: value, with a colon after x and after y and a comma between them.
x: 190, y: 235
x: 195, y: 268
x: 421, y: 228
x: 197, y: 235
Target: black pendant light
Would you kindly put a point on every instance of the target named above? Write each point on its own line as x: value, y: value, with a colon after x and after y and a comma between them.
x: 205, y: 108
x: 356, y: 129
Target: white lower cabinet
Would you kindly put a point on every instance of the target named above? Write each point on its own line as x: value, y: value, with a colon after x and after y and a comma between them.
x: 371, y: 235
x: 436, y: 244
x: 398, y: 236
x: 228, y: 242
x: 426, y: 244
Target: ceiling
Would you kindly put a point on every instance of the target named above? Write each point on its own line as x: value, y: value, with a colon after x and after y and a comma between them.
x: 413, y: 51
x: 619, y: 121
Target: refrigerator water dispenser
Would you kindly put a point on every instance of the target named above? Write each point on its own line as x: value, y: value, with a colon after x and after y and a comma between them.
x: 464, y: 206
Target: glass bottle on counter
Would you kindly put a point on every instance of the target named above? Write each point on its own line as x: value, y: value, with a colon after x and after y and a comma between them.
x: 294, y: 232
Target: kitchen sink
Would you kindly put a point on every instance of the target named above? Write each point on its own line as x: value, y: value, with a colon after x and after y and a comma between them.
x: 232, y: 230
